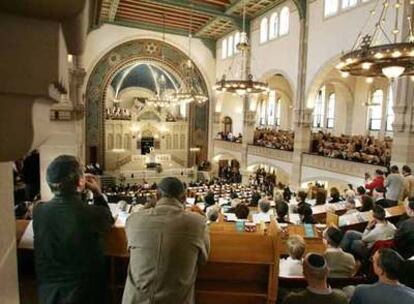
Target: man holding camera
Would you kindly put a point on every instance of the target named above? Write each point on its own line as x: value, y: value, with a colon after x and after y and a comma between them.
x: 69, y: 237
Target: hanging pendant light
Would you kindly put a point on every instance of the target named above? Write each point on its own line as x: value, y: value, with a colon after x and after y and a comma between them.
x: 245, y: 85
x: 190, y: 90
x: 392, y: 60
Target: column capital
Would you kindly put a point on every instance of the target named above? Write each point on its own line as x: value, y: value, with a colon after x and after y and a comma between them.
x: 249, y: 118
x: 303, y: 117
x: 216, y: 117
x: 77, y: 75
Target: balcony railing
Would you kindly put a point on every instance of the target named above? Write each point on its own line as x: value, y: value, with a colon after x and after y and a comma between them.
x: 270, y: 153
x: 227, y: 145
x: 338, y: 165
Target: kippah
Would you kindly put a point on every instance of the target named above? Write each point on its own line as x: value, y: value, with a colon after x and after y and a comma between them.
x: 316, y: 261
x: 60, y: 168
x: 171, y: 186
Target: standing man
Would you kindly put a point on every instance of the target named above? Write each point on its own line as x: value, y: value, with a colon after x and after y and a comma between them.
x: 69, y: 237
x: 408, y: 182
x: 166, y: 245
x: 395, y: 186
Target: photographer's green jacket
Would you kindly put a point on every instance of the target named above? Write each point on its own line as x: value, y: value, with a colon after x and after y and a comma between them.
x: 69, y: 237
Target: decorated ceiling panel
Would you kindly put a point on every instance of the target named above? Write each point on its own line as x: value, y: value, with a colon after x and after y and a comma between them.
x: 208, y: 19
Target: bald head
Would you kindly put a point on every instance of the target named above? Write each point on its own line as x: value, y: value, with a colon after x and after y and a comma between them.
x: 171, y: 187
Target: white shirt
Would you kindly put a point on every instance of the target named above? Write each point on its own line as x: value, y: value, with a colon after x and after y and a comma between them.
x: 381, y: 232
x: 290, y: 268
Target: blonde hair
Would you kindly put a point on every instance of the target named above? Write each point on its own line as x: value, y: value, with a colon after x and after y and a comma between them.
x: 296, y: 246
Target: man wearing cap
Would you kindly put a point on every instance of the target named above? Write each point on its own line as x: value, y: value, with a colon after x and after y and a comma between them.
x: 315, y: 271
x: 166, y: 245
x: 69, y: 237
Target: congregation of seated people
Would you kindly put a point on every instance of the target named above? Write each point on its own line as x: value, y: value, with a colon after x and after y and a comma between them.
x: 347, y: 252
x: 359, y: 148
x: 275, y: 139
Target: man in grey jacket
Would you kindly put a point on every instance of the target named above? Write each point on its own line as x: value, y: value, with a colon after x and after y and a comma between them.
x: 395, y: 186
x: 166, y: 245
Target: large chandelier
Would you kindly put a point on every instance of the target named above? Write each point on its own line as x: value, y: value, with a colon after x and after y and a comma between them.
x: 245, y: 85
x: 190, y: 90
x: 369, y: 58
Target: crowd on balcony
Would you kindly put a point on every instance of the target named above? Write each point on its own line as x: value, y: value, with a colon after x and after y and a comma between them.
x: 229, y: 136
x: 275, y: 139
x: 359, y: 148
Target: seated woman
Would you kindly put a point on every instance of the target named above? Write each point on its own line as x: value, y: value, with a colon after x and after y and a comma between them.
x: 335, y: 197
x: 367, y: 203
x: 292, y: 265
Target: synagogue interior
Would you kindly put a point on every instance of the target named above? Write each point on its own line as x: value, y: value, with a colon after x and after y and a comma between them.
x: 207, y: 151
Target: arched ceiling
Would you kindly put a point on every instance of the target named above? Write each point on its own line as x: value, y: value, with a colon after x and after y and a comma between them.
x: 209, y: 19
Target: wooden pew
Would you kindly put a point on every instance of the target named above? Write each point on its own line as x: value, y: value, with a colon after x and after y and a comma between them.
x: 243, y: 267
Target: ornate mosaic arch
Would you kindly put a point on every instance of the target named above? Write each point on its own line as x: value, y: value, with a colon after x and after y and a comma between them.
x: 111, y: 63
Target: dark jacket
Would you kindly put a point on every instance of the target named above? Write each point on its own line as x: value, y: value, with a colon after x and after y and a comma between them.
x: 69, y: 249
x: 404, y: 238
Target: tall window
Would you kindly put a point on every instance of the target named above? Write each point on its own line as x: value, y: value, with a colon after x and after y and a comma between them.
x: 271, y: 105
x: 274, y: 26
x: 319, y: 109
x: 228, y: 125
x: 263, y: 113
x: 230, y: 46
x: 284, y: 21
x: 349, y: 3
x: 236, y: 42
x: 375, y: 110
x: 224, y: 49
x: 263, y: 30
x: 278, y: 111
x: 330, y: 113
x: 331, y: 7
x: 390, y: 111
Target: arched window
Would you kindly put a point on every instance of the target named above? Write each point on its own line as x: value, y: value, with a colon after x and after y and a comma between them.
x: 127, y: 142
x: 331, y: 7
x: 319, y: 109
x: 236, y: 42
x: 284, y: 21
x: 182, y: 141
x: 349, y: 3
x: 278, y: 111
x: 118, y: 141
x: 263, y: 30
x: 271, y: 105
x: 263, y: 113
x: 230, y: 46
x: 390, y: 112
x: 175, y: 141
x: 110, y: 143
x: 224, y: 49
x: 274, y: 26
x: 330, y: 113
x: 168, y: 141
x: 375, y: 110
x: 228, y: 125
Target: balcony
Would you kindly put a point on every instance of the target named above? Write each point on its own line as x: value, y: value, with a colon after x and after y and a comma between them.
x: 338, y: 165
x: 227, y: 145
x: 270, y: 153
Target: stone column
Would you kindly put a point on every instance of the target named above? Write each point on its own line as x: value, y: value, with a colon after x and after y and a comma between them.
x: 249, y: 122
x: 302, y: 130
x: 403, y: 126
x: 302, y: 114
